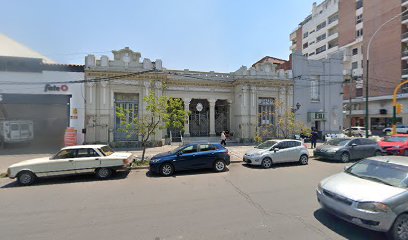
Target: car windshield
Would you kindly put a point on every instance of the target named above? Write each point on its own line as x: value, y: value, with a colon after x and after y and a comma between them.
x: 106, y: 150
x: 396, y: 139
x: 266, y: 144
x: 177, y: 149
x: 382, y: 172
x: 338, y: 142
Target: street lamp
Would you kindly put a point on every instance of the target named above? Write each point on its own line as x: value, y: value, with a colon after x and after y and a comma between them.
x: 368, y: 63
x: 298, y: 105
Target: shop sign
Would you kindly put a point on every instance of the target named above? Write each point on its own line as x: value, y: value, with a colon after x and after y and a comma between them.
x: 316, y: 116
x: 55, y: 88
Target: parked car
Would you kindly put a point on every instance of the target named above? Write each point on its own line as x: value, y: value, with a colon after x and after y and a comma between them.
x: 372, y: 194
x: 399, y: 129
x: 395, y: 145
x: 346, y: 149
x: 98, y: 159
x: 330, y: 136
x: 191, y: 156
x: 357, y: 131
x: 17, y: 131
x: 277, y: 151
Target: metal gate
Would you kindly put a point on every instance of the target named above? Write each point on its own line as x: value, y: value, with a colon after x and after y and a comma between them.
x: 199, y: 124
x: 132, y: 108
x: 221, y: 118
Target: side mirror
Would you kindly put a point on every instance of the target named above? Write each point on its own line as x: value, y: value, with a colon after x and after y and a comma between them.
x: 179, y: 153
x: 275, y: 149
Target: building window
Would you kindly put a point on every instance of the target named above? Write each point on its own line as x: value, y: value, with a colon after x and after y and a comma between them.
x: 359, y: 4
x: 359, y: 19
x: 359, y: 92
x: 305, y: 35
x: 306, y: 55
x: 354, y: 65
x: 333, y: 17
x: 266, y: 111
x: 314, y: 88
x: 321, y: 49
x: 355, y: 51
x: 321, y: 37
x: 311, y: 54
x: 305, y: 45
x: 359, y: 33
x: 321, y: 25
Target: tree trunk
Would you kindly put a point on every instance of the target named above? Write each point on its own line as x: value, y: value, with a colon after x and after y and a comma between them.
x: 144, y: 151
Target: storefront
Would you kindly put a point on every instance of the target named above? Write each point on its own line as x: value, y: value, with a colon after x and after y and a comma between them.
x: 46, y: 94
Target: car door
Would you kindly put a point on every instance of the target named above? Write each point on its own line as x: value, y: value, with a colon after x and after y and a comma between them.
x: 62, y: 163
x: 370, y: 147
x: 87, y: 160
x: 282, y: 154
x: 206, y: 155
x: 294, y: 151
x: 186, y: 158
x: 357, y: 151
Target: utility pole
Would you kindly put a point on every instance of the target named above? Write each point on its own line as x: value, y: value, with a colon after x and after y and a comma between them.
x: 350, y: 95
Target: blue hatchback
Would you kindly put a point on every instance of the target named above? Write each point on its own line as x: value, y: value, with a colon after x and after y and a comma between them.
x: 191, y: 156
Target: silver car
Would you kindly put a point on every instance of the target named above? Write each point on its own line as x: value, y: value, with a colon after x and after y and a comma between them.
x: 372, y: 193
x: 277, y: 151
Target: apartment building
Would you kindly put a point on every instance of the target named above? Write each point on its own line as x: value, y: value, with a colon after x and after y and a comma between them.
x: 347, y: 26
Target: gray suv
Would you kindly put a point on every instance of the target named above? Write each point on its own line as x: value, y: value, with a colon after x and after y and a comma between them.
x: 346, y: 149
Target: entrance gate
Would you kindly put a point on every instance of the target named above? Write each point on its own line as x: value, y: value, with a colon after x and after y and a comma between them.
x: 199, y: 120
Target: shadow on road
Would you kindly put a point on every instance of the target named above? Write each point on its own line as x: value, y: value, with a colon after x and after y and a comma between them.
x: 333, y: 161
x: 18, y: 149
x: 185, y: 173
x: 345, y: 229
x: 276, y: 165
x: 69, y: 179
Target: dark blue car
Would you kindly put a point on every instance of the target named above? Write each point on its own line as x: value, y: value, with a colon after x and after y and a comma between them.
x: 191, y: 156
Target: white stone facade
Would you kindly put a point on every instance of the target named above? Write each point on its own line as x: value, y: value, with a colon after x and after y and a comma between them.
x: 229, y: 101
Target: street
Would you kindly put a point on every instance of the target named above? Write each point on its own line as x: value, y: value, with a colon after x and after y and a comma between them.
x: 242, y: 203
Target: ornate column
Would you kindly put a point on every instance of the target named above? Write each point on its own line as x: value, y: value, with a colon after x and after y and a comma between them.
x: 230, y: 115
x: 212, y: 116
x: 187, y: 124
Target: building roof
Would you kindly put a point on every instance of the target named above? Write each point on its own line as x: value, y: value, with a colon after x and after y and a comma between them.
x: 268, y: 57
x: 11, y: 48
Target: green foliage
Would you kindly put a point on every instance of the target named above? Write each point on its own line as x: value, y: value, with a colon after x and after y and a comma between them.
x: 161, y: 112
x: 258, y: 138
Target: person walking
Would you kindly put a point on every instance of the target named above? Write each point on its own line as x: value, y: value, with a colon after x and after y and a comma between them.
x: 223, y: 139
x: 313, y: 138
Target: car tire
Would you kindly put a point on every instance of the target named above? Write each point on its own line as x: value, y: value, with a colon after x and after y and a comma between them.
x: 103, y: 173
x: 345, y: 157
x: 26, y: 178
x: 166, y: 170
x: 304, y: 160
x: 399, y: 229
x: 219, y: 166
x: 267, y: 163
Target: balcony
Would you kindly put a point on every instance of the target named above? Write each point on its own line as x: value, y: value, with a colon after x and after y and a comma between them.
x: 404, y: 55
x: 404, y: 36
x: 293, y: 47
x: 293, y: 36
x: 405, y: 73
x: 404, y: 3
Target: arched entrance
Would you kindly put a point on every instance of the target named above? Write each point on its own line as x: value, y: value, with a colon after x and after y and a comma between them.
x: 199, y: 118
x: 222, y: 116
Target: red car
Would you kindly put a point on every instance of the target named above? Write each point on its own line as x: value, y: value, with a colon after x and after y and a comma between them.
x: 395, y: 145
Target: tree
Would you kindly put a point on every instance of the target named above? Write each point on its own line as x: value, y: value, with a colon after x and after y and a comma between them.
x: 161, y: 112
x: 284, y: 125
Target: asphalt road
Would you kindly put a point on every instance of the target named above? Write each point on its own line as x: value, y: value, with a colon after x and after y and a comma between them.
x: 242, y: 203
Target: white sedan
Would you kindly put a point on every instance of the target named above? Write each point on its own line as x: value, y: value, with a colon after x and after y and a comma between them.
x: 98, y: 159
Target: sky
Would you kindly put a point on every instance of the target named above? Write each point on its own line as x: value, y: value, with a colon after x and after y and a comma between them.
x: 201, y: 35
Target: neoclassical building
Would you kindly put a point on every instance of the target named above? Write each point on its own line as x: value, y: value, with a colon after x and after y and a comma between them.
x: 216, y: 101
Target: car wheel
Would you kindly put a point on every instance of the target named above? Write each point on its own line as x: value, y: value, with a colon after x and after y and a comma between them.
x: 267, y: 163
x: 304, y: 160
x: 345, y: 157
x: 166, y: 169
x: 26, y: 178
x: 103, y: 173
x: 399, y: 230
x: 219, y: 166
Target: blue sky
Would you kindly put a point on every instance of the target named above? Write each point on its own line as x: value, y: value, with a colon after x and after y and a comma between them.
x: 217, y: 35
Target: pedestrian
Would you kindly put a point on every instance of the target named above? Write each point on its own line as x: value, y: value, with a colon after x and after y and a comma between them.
x: 223, y: 139
x: 314, y: 137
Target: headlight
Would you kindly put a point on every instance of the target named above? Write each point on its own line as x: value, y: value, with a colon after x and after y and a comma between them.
x: 155, y: 160
x: 374, y: 207
x: 331, y: 150
x: 255, y: 154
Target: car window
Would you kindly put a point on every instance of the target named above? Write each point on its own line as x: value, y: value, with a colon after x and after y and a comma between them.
x: 295, y: 144
x: 206, y: 147
x: 66, y: 153
x: 189, y: 149
x: 367, y: 141
x: 355, y: 141
x: 283, y: 145
x: 86, y: 152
